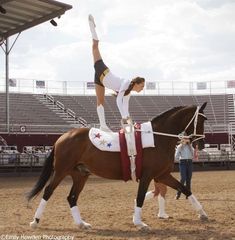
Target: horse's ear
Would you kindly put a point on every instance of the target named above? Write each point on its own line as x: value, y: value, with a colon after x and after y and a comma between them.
x: 203, y: 107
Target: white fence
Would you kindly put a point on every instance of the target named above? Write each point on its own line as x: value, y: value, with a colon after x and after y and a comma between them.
x: 35, y: 86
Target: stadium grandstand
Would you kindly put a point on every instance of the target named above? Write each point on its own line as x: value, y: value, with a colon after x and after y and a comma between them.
x: 34, y: 113
x: 38, y: 118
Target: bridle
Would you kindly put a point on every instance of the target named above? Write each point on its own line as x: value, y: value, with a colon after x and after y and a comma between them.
x: 195, y: 119
x: 183, y: 134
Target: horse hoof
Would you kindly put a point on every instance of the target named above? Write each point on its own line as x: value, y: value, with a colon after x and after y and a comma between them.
x: 163, y: 216
x: 203, y: 217
x: 142, y: 226
x: 84, y: 225
x: 145, y: 228
x: 33, y: 224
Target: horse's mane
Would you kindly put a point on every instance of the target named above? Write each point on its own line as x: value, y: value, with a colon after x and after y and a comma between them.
x: 167, y: 113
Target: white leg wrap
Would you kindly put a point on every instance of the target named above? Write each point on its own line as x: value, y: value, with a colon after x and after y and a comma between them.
x: 195, y: 203
x: 137, y: 216
x: 192, y: 199
x: 161, y: 204
x: 76, y: 215
x: 40, y: 209
x: 149, y: 195
x: 77, y: 218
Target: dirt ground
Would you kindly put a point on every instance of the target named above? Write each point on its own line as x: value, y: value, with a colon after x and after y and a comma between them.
x: 108, y: 207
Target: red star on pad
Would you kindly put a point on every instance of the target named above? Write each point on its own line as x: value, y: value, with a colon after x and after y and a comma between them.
x: 97, y: 135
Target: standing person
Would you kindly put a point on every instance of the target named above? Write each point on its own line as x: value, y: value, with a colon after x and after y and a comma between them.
x: 184, y: 154
x: 105, y: 78
x: 159, y: 191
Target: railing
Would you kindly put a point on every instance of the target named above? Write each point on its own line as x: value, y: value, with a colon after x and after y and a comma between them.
x: 217, y: 128
x: 161, y: 87
x: 21, y: 160
x: 60, y: 105
x: 33, y: 128
x: 49, y: 97
x: 38, y: 129
x: 67, y: 111
x: 17, y: 162
x: 72, y: 114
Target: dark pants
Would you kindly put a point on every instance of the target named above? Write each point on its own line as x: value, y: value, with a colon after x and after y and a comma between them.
x: 186, y: 170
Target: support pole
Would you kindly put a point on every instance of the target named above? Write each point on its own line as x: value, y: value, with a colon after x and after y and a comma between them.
x: 7, y: 86
x: 7, y: 51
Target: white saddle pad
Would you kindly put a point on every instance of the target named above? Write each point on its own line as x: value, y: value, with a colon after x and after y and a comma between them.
x: 109, y: 141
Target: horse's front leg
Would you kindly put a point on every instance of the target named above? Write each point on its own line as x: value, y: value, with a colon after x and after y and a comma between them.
x: 143, y: 187
x: 170, y: 181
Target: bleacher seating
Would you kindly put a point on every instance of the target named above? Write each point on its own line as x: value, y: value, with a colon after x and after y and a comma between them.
x: 27, y: 109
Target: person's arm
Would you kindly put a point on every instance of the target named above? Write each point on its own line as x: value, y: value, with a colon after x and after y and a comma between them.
x: 126, y: 105
x: 123, y: 101
x: 122, y: 104
x: 177, y: 153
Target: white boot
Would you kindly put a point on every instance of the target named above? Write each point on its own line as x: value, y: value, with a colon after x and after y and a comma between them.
x: 137, y: 218
x: 161, y: 203
x: 92, y: 27
x: 38, y: 213
x: 77, y: 218
x: 198, y: 207
x: 103, y: 125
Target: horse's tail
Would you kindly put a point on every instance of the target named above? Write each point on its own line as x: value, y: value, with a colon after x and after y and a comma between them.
x: 44, y: 176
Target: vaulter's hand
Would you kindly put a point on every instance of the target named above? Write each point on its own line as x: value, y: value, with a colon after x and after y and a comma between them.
x: 127, y: 120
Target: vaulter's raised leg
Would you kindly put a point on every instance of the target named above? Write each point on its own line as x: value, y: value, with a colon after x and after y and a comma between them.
x: 99, y: 88
x: 55, y: 180
x: 173, y: 183
x: 143, y: 187
x: 79, y: 180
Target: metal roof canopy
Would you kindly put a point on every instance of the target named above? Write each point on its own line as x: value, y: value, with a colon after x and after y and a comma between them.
x: 24, y: 14
x: 21, y: 15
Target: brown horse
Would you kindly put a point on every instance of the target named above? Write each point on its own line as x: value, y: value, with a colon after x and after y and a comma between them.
x: 73, y: 154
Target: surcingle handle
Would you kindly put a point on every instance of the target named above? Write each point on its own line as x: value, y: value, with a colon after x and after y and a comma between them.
x: 131, y: 147
x: 133, y: 168
x: 130, y: 139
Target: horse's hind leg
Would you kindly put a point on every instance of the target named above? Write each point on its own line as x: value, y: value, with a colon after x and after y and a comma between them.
x: 170, y: 181
x: 54, y: 182
x: 79, y: 180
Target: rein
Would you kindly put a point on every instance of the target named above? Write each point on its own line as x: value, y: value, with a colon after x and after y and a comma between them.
x: 182, y: 135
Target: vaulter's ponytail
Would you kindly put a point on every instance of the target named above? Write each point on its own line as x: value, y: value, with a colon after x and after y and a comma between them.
x: 134, y: 81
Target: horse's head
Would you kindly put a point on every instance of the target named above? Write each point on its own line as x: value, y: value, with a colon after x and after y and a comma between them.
x: 195, y: 129
x: 186, y: 120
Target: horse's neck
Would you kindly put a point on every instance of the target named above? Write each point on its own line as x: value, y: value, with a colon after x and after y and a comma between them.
x: 182, y: 118
x: 177, y: 122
